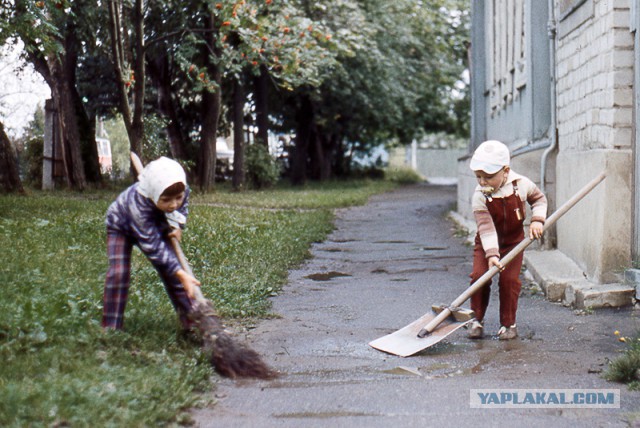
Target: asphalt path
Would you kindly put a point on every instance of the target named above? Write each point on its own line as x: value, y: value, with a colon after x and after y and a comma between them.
x: 383, y: 267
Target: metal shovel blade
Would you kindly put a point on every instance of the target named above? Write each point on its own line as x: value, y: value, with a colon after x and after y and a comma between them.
x: 405, y: 342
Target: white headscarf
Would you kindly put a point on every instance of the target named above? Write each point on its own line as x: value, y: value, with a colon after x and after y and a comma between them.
x: 158, y: 175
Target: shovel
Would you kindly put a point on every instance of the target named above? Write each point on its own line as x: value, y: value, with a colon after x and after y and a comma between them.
x: 432, y: 327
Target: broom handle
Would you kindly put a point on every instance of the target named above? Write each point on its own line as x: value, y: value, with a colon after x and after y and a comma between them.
x: 480, y: 282
x: 197, y: 293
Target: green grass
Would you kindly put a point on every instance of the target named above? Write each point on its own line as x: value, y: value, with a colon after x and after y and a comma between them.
x: 334, y: 194
x: 59, y: 367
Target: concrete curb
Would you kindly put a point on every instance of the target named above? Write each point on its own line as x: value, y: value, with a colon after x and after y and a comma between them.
x: 563, y: 281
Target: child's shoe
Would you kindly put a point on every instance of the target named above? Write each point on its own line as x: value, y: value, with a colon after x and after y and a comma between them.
x: 476, y: 331
x: 508, y: 333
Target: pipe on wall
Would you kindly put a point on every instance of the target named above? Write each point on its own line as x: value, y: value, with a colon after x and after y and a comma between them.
x: 551, y: 28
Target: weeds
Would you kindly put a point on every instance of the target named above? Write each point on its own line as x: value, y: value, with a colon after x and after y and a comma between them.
x: 626, y: 368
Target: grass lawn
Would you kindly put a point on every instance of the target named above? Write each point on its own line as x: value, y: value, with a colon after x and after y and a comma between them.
x: 59, y: 367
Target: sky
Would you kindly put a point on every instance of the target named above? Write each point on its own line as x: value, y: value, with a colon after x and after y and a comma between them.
x: 21, y: 91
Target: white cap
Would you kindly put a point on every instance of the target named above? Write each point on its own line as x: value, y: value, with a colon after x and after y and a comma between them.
x: 490, y: 157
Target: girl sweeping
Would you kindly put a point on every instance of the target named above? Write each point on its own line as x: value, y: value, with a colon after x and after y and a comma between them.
x: 147, y: 214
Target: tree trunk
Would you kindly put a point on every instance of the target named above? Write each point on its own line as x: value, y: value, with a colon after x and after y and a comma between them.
x: 9, y: 175
x: 135, y: 78
x: 139, y: 77
x: 324, y: 155
x: 68, y: 121
x: 160, y: 75
x: 55, y: 70
x: 238, y: 180
x: 262, y: 106
x: 304, y: 118
x: 207, y: 158
x: 85, y: 124
x: 316, y: 153
x: 343, y: 159
x: 211, y: 104
x: 87, y: 135
x: 330, y: 155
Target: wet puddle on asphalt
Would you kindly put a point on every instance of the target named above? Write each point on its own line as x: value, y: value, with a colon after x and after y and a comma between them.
x: 326, y: 276
x: 453, y: 365
x: 322, y: 415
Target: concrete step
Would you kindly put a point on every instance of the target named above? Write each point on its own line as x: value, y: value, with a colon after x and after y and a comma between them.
x: 563, y: 281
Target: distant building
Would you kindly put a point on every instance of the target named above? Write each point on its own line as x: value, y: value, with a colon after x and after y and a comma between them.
x: 104, y: 155
x: 434, y: 157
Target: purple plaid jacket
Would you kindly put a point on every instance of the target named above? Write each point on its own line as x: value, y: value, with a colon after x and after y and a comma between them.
x: 138, y: 218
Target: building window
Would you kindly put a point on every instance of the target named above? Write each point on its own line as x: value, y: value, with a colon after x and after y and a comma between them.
x: 567, y: 7
x: 507, y: 55
x: 573, y: 13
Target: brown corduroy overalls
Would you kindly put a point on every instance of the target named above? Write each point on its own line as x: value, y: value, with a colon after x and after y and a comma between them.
x: 508, y: 217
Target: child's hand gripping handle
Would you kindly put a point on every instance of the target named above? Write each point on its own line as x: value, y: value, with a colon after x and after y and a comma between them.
x: 194, y: 292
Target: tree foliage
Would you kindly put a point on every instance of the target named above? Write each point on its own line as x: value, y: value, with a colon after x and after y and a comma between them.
x: 397, y: 70
x: 341, y: 75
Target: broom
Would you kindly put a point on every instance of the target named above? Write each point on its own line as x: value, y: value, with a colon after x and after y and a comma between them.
x: 228, y: 357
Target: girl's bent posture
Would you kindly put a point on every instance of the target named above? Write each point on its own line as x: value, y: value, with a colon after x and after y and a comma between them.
x: 147, y: 214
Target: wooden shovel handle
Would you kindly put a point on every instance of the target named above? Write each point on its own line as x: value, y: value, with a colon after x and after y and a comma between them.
x: 510, y: 256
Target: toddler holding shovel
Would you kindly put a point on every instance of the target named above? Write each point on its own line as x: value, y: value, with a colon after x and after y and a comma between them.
x: 146, y: 215
x: 499, y: 211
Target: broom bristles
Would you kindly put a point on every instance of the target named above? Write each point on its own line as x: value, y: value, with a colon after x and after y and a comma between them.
x: 234, y: 360
x: 229, y: 358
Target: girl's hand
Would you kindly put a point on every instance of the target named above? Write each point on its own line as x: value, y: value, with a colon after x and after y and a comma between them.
x: 495, y: 261
x: 536, y: 230
x: 189, y: 282
x: 176, y: 233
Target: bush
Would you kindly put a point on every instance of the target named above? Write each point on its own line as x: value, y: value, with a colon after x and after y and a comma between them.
x: 31, y: 161
x: 156, y: 141
x: 402, y: 175
x: 262, y: 169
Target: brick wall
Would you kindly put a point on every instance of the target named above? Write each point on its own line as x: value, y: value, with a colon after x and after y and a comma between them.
x: 595, y: 78
x: 594, y: 57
